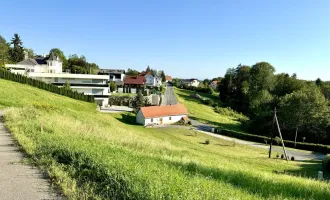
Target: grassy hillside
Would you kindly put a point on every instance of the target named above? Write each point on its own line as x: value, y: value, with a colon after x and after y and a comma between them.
x: 98, y: 156
x: 204, y: 113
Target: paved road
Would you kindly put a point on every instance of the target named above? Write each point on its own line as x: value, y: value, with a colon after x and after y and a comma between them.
x: 169, y: 97
x: 19, y: 181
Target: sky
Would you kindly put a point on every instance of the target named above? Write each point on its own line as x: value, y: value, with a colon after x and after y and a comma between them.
x: 186, y: 39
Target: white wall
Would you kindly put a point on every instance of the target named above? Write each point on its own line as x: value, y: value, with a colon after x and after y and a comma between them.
x: 166, y: 120
x: 150, y: 79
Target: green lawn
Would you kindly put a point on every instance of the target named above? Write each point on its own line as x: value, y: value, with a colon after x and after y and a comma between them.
x: 204, y: 113
x: 92, y: 155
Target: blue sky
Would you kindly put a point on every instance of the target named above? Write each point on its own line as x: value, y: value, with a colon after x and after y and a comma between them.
x: 187, y: 39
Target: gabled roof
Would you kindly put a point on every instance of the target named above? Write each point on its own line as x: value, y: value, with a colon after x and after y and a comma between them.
x: 215, y: 82
x: 135, y: 80
x: 161, y: 111
x: 168, y: 78
x: 28, y: 61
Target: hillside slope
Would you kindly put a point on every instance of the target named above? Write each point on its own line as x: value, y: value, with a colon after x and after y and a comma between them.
x: 98, y: 156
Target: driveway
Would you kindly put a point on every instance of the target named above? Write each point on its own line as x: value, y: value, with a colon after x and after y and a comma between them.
x: 17, y: 180
x: 169, y: 97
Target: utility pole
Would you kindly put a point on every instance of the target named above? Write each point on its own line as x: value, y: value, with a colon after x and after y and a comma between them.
x: 272, y: 135
x: 279, y: 131
x: 295, y: 138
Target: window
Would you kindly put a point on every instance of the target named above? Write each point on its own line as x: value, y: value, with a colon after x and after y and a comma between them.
x: 170, y: 118
x: 152, y: 120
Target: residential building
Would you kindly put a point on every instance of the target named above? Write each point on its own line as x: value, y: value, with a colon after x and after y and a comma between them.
x: 190, y: 82
x: 116, y: 75
x: 168, y: 78
x: 49, y: 70
x: 132, y: 84
x: 214, y: 84
x: 153, y: 81
x: 158, y: 115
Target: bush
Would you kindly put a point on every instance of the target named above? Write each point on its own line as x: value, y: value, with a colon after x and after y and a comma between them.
x: 292, y: 158
x: 189, y: 123
x: 207, y: 141
x: 282, y: 156
x: 326, y: 163
x: 208, y: 102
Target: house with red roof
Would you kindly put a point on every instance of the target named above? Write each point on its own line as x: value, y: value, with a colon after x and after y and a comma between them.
x: 214, y: 84
x: 158, y: 115
x: 132, y: 84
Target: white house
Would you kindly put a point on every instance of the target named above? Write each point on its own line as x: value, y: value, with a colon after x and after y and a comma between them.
x: 190, y: 82
x: 154, y: 81
x: 49, y: 70
x: 168, y: 114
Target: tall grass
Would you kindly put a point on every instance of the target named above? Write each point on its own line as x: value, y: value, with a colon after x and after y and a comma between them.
x: 93, y: 155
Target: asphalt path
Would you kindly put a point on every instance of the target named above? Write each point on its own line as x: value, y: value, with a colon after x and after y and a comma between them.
x: 17, y: 180
x: 169, y: 97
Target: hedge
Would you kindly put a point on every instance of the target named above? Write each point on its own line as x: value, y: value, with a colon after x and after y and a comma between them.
x: 4, y: 74
x: 261, y: 139
x: 197, y: 89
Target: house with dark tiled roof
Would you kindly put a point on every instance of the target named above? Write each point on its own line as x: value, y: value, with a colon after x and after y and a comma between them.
x: 116, y: 75
x: 190, y: 82
x: 158, y: 115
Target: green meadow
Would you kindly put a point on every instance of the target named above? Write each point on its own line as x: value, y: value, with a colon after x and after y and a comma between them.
x: 92, y: 155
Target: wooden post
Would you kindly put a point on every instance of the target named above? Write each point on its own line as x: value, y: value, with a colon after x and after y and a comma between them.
x: 272, y: 135
x: 295, y: 138
x: 279, y: 131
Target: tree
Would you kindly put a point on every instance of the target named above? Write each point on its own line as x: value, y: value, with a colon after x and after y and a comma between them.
x: 4, y: 51
x: 161, y: 74
x: 261, y: 77
x: 139, y: 100
x: 67, y: 86
x: 148, y: 69
x: 206, y: 81
x: 318, y: 82
x: 132, y: 72
x: 113, y: 86
x: 17, y: 52
x: 306, y: 109
x: 62, y: 57
x: 30, y: 53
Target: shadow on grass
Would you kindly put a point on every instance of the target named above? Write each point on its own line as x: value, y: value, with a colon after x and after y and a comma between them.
x: 127, y: 118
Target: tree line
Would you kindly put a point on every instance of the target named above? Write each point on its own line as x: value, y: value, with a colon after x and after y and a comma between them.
x: 303, y: 106
x: 13, y: 52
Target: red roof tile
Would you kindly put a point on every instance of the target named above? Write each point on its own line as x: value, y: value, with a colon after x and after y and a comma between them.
x: 160, y: 111
x: 168, y: 78
x: 135, y: 80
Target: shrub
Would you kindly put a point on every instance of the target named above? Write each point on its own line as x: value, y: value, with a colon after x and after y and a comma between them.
x: 282, y: 156
x: 208, y: 102
x: 292, y: 158
x: 326, y: 163
x: 277, y: 155
x: 189, y: 123
x: 207, y: 141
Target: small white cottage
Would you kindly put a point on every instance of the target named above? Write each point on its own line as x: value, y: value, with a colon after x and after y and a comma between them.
x: 157, y: 115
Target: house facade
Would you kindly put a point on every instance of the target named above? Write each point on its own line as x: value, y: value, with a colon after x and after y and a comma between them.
x: 190, y: 82
x: 168, y: 78
x: 214, y: 84
x: 158, y: 115
x: 49, y: 70
x: 153, y: 81
x: 132, y: 84
x: 117, y: 75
